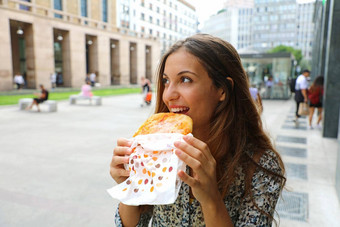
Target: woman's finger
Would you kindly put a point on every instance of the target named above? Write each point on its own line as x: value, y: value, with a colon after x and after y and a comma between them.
x: 119, y: 160
x: 200, y: 145
x: 121, y: 151
x: 124, y: 142
x: 191, y: 150
x: 193, y: 163
x: 187, y: 179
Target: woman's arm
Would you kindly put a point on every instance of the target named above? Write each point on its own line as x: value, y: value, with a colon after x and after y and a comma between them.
x: 129, y: 215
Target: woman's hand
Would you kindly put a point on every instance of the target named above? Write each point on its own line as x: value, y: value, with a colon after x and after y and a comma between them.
x: 117, y: 170
x: 196, y: 154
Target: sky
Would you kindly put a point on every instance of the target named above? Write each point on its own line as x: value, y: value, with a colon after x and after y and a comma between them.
x: 206, y: 8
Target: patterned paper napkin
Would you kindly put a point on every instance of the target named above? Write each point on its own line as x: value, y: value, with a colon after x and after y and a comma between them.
x: 153, y: 169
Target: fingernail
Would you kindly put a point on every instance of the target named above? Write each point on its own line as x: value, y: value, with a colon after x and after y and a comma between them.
x: 178, y: 152
x: 186, y: 137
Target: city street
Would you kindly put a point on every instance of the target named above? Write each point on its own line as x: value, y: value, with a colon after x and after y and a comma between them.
x: 54, y: 167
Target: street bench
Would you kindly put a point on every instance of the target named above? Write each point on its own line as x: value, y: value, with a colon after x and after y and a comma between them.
x: 96, y: 99
x: 51, y: 104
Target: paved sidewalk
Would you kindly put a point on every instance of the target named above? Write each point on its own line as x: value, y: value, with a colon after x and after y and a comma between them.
x: 309, y: 198
x: 54, y: 167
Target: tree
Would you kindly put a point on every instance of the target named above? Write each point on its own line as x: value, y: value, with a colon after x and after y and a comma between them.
x: 282, y: 48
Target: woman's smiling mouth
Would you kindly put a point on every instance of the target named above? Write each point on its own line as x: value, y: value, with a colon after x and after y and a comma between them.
x: 180, y: 110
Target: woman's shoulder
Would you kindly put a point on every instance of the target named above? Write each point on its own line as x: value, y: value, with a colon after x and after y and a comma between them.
x: 271, y: 160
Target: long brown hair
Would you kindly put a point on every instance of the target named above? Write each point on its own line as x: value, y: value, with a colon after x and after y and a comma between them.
x: 317, y: 84
x: 236, y: 126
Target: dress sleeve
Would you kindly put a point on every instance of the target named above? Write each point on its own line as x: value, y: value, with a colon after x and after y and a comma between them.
x: 143, y: 221
x: 266, y: 190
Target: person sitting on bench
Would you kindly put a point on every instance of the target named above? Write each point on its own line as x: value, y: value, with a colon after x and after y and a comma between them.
x: 86, y: 90
x: 42, y: 97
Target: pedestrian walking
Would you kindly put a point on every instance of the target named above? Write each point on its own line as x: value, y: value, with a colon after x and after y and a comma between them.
x: 19, y: 80
x: 301, y: 87
x: 315, y: 94
x: 53, y: 79
x: 146, y: 91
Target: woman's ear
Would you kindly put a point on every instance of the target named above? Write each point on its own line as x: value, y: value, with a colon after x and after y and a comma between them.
x: 222, y: 95
x: 231, y: 81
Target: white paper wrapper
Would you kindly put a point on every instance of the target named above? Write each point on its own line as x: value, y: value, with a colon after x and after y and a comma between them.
x: 153, y: 171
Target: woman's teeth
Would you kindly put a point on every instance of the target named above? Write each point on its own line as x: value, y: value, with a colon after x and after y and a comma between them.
x: 178, y: 110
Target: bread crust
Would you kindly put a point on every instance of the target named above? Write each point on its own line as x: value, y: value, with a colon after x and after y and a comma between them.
x: 166, y: 123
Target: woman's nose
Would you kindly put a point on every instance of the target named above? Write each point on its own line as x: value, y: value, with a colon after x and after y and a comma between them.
x: 170, y: 93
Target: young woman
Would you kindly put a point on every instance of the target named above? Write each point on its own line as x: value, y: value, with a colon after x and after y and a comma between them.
x: 234, y: 175
x: 315, y: 93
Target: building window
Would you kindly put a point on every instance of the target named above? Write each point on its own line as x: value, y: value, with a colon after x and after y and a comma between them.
x: 83, y: 8
x: 23, y: 7
x: 150, y: 19
x: 58, y: 6
x: 142, y: 3
x: 104, y: 10
x: 150, y: 6
x: 142, y: 16
x: 150, y: 31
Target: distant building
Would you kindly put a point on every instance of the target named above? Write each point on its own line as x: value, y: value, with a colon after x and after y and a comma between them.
x: 233, y: 23
x: 72, y: 38
x: 260, y: 25
x: 283, y: 22
x: 305, y: 28
x: 167, y: 20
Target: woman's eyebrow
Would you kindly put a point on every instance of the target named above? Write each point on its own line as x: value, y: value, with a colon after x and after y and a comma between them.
x: 187, y: 71
x: 183, y: 72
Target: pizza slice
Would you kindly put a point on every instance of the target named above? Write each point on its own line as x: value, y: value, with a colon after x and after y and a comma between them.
x: 166, y: 123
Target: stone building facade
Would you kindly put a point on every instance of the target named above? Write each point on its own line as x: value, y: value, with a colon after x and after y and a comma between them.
x: 71, y: 38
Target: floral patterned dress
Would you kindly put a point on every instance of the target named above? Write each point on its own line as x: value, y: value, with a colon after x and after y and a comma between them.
x: 266, y: 190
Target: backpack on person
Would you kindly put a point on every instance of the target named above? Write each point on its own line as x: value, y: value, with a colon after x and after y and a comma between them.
x: 292, y: 84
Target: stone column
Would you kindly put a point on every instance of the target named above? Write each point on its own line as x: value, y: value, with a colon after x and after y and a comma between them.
x: 104, y: 60
x: 31, y: 58
x: 124, y: 61
x: 6, y: 74
x: 77, y: 57
x: 331, y: 98
x: 141, y: 61
x: 66, y: 49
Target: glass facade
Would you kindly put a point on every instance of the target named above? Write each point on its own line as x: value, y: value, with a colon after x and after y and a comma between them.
x: 270, y: 73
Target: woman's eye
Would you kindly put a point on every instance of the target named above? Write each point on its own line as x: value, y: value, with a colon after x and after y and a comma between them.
x: 165, y: 81
x: 186, y: 80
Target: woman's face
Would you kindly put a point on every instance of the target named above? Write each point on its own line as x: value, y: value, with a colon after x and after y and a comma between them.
x: 189, y: 90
